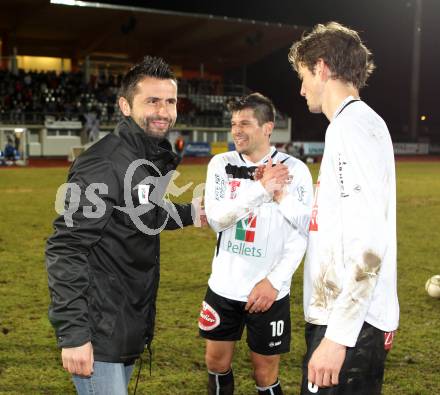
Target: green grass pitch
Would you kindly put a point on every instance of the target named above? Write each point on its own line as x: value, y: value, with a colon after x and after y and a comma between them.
x: 30, y: 361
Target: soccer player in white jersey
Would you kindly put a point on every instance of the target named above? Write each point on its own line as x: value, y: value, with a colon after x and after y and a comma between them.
x: 350, y: 298
x: 262, y: 226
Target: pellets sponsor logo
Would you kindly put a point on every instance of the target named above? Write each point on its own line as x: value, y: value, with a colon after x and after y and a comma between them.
x: 242, y: 249
x: 245, y: 234
x: 245, y: 229
x: 209, y: 318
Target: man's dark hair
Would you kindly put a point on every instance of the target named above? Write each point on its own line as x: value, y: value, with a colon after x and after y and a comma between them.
x: 149, y: 67
x: 340, y: 48
x: 263, y: 108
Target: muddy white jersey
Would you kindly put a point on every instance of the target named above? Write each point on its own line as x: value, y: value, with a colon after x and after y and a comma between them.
x: 256, y: 237
x: 350, y: 266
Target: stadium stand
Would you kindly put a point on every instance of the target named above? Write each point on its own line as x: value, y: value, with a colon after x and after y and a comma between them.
x: 51, y: 77
x: 29, y: 97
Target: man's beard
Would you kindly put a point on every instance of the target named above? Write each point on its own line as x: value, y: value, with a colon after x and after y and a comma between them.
x: 145, y: 125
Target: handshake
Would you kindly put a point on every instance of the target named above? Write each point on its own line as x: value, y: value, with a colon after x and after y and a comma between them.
x: 273, y: 178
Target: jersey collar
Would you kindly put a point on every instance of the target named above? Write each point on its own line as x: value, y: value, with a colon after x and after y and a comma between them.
x: 342, y: 105
x: 272, y: 153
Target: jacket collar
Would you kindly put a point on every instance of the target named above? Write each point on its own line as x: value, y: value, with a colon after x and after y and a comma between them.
x: 157, y: 151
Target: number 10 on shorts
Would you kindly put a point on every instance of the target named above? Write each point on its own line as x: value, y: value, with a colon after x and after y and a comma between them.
x: 277, y: 328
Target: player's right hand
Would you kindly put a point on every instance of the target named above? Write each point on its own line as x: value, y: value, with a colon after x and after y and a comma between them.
x: 275, y: 177
x: 261, y: 297
x: 78, y: 360
x: 326, y: 363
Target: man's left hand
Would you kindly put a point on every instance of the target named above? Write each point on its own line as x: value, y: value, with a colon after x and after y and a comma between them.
x: 261, y: 297
x: 326, y: 363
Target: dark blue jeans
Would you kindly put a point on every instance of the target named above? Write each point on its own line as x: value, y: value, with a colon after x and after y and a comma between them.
x: 107, y: 379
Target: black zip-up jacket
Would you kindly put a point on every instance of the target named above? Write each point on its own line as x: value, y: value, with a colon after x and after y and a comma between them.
x: 103, y: 271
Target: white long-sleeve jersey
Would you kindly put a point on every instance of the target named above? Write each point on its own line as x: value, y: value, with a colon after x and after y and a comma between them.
x: 256, y: 237
x: 350, y: 267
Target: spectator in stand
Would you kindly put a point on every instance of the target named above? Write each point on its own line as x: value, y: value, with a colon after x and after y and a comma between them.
x: 9, y: 150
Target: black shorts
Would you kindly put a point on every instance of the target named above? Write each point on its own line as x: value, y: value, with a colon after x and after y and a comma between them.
x: 363, y: 368
x: 224, y: 319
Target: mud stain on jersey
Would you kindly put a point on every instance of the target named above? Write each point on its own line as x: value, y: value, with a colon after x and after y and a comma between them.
x: 362, y: 283
x: 227, y: 220
x: 319, y: 298
x: 325, y: 288
x: 369, y: 268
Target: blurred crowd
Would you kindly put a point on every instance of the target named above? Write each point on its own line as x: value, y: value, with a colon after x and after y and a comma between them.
x: 35, y: 93
x: 29, y: 97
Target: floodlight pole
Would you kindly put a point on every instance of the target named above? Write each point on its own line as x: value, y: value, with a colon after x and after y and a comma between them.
x: 415, y: 80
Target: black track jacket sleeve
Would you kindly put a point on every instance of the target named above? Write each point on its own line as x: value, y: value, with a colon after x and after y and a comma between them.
x: 184, y: 212
x: 76, y: 232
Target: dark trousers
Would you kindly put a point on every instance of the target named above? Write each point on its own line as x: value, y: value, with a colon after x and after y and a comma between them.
x: 363, y: 368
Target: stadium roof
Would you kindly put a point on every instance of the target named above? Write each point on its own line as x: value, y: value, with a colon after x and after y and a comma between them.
x: 104, y: 31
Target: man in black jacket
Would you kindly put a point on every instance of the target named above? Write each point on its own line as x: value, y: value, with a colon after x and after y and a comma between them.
x: 103, y: 258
